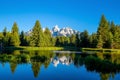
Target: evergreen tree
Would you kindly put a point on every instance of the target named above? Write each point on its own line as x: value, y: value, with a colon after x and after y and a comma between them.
x: 77, y: 40
x: 47, y: 32
x: 36, y: 35
x: 115, y: 30
x: 14, y: 39
x: 73, y: 40
x: 1, y: 37
x: 47, y: 37
x: 1, y: 41
x: 5, y: 37
x: 103, y: 31
x: 84, y: 37
x: 57, y: 43
x: 100, y: 42
x: 110, y: 41
x: 23, y: 39
x: 116, y: 37
x: 53, y: 41
x: 66, y: 41
x: 112, y: 28
x: 93, y: 40
x: 5, y: 31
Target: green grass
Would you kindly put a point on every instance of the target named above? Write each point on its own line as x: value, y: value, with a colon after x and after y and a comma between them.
x: 41, y: 48
x: 34, y: 48
x: 99, y: 50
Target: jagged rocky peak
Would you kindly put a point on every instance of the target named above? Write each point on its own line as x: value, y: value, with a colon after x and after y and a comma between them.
x: 56, y: 28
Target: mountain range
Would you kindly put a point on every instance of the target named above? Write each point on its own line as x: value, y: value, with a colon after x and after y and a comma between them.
x: 56, y: 31
x: 66, y: 31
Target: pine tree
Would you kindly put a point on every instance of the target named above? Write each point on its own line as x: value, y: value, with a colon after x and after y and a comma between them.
x: 66, y: 41
x: 112, y: 28
x: 36, y: 35
x: 23, y: 39
x: 110, y: 41
x: 1, y: 37
x: 5, y: 31
x: 77, y: 40
x: 5, y: 37
x: 62, y: 40
x: 84, y: 37
x: 115, y: 30
x: 14, y: 39
x: 116, y: 37
x: 73, y: 40
x: 57, y: 41
x: 47, y: 37
x: 103, y: 31
x: 93, y: 40
x: 53, y: 41
x: 100, y: 42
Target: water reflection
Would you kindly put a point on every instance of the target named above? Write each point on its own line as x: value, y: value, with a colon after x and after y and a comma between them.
x: 65, y: 60
x: 107, y: 65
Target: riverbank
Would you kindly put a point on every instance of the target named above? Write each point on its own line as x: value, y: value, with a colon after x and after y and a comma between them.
x: 62, y: 48
x: 41, y: 48
x: 99, y: 50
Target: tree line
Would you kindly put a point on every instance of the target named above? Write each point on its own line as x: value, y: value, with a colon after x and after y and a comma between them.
x: 107, y: 36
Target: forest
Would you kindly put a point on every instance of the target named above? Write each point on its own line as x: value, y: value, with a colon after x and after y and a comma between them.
x: 107, y: 36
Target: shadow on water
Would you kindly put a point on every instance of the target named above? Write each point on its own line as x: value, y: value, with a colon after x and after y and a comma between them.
x: 107, y: 65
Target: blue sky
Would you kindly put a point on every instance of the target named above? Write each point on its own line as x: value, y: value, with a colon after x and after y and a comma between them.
x: 78, y: 14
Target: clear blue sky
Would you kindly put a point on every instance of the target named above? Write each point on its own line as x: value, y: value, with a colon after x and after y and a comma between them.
x: 78, y: 14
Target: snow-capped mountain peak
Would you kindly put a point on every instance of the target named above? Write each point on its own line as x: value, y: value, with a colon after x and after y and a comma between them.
x: 56, y: 29
x: 66, y: 31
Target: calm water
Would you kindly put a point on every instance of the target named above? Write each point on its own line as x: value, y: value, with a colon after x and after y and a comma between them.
x: 49, y: 65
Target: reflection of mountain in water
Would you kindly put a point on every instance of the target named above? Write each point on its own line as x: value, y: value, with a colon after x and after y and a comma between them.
x: 104, y: 64
x: 63, y: 60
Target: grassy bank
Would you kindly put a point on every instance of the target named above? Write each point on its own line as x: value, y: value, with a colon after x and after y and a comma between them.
x: 40, y: 48
x: 99, y: 50
x: 34, y: 48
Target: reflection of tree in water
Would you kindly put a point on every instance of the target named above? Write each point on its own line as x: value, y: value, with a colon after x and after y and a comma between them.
x: 104, y: 76
x: 99, y: 55
x: 36, y: 68
x: 105, y: 64
x: 39, y: 58
x: 115, y: 58
x: 13, y: 66
x: 13, y: 63
x: 37, y: 61
x: 36, y: 58
x: 79, y: 59
x: 72, y: 56
x: 46, y: 63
